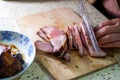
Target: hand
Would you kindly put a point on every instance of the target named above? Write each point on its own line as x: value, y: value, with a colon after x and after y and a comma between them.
x: 112, y: 7
x: 108, y: 33
x: 91, y: 1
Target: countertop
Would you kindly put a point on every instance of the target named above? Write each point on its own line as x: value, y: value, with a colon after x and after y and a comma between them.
x: 10, y: 11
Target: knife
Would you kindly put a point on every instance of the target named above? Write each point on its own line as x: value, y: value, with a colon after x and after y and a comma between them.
x: 88, y: 26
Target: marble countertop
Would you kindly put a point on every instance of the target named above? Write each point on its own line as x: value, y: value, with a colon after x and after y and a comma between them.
x: 10, y: 11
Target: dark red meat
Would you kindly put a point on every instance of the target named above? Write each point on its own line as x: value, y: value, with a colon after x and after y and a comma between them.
x: 55, y: 42
x: 59, y: 43
x: 92, y: 51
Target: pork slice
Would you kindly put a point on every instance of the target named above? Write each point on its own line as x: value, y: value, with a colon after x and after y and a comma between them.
x: 77, y: 40
x: 46, y: 47
x: 74, y: 44
x: 91, y: 49
x: 85, y: 51
x: 70, y: 41
x: 65, y: 49
x: 43, y: 46
x: 82, y: 50
x: 42, y: 35
x: 52, y: 31
x: 83, y: 40
x: 66, y: 57
x: 57, y: 37
x: 64, y: 53
x: 57, y: 44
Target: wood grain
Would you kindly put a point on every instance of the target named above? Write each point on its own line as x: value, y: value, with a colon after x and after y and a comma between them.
x: 60, y: 70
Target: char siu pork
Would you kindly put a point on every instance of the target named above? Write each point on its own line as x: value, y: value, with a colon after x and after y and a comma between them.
x: 54, y: 42
x: 59, y: 43
x: 9, y: 64
x: 91, y: 50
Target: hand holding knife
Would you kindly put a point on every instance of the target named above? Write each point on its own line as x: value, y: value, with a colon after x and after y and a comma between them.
x: 88, y: 30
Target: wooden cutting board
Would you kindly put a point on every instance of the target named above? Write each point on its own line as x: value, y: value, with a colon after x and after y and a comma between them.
x: 60, y: 70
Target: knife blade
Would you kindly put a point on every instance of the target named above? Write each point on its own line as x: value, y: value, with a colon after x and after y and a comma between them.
x: 88, y: 26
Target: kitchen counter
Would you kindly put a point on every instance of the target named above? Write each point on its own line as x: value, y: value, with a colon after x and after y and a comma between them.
x: 10, y: 11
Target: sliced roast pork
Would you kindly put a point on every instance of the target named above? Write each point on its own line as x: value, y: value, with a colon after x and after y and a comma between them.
x: 91, y: 49
x: 42, y: 35
x: 70, y: 38
x: 74, y: 39
x: 59, y: 43
x: 55, y: 42
x: 43, y: 46
x: 56, y: 37
x: 81, y: 47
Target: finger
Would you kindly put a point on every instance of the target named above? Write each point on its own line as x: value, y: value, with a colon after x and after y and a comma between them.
x: 110, y: 22
x: 107, y: 23
x: 107, y: 30
x: 109, y: 38
x: 111, y: 45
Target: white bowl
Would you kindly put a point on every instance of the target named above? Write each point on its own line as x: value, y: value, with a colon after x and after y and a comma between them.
x: 24, y: 44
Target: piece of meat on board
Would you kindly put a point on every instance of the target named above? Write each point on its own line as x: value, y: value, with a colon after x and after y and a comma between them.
x: 65, y: 54
x: 56, y: 37
x: 43, y: 46
x: 42, y: 35
x: 59, y: 43
x: 74, y: 39
x: 91, y: 49
x: 77, y: 31
x: 56, y: 42
x: 69, y: 38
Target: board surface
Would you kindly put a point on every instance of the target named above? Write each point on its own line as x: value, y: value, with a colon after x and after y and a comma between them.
x: 60, y: 70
